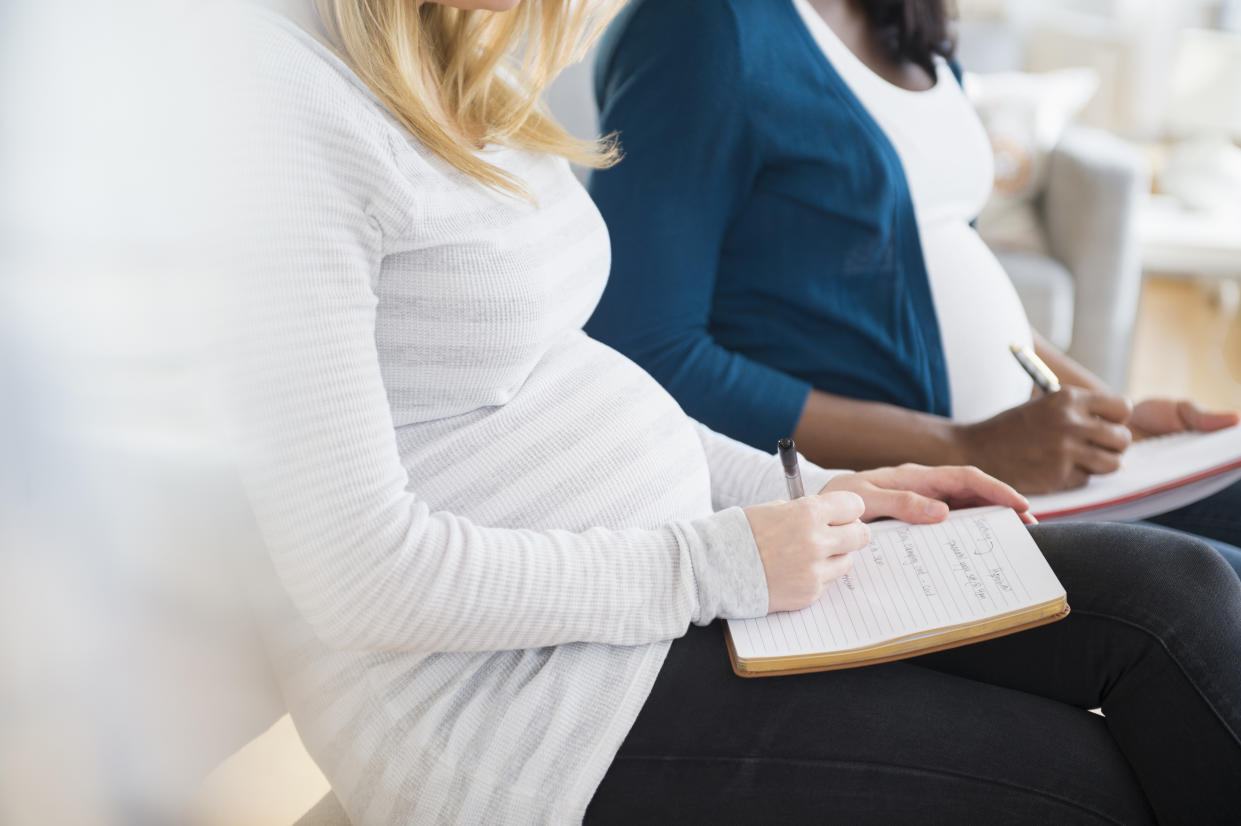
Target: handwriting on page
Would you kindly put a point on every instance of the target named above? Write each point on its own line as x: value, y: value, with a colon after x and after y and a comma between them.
x: 909, y: 579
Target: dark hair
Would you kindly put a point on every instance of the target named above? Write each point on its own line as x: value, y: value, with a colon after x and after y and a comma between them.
x: 913, y: 30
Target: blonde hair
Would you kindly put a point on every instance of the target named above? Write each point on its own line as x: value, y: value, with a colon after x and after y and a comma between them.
x: 459, y: 80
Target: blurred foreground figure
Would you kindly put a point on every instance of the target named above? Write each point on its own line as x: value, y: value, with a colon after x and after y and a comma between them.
x: 117, y: 506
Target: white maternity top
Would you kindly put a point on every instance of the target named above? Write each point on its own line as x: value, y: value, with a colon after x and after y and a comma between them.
x: 948, y: 164
x: 484, y: 528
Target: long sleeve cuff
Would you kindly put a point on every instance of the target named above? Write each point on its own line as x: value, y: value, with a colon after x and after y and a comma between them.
x: 728, y: 571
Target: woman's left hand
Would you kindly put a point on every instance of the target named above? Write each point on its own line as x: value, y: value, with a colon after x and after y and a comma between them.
x: 916, y: 493
x: 1155, y: 417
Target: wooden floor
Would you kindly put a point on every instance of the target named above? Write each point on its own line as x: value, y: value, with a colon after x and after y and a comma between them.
x: 270, y: 782
x: 1187, y: 344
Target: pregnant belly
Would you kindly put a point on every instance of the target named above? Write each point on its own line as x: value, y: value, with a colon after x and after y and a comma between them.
x: 980, y: 315
x: 589, y: 440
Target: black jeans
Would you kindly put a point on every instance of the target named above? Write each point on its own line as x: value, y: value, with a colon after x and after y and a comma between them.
x: 993, y: 733
x: 1216, y: 518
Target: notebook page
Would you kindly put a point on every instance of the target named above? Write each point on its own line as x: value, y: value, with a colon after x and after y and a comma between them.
x: 978, y: 563
x: 1149, y: 464
x: 1146, y: 506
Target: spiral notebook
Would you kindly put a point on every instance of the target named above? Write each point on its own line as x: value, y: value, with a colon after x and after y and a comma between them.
x: 913, y: 590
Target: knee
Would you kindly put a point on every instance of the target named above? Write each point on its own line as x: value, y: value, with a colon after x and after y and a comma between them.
x: 1194, y: 570
x: 1207, y: 578
x: 1150, y: 565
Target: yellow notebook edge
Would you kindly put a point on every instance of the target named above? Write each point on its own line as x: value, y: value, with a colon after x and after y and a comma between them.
x: 899, y: 649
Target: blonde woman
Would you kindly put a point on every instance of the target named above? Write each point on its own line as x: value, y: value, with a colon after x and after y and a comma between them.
x: 492, y: 540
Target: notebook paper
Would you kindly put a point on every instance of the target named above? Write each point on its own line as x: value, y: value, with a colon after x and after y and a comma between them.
x: 913, y: 580
x: 1157, y: 475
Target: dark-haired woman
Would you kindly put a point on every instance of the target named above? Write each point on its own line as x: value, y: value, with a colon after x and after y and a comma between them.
x: 792, y: 250
x: 761, y: 220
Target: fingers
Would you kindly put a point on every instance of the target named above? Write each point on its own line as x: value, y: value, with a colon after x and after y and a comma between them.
x: 1099, y: 441
x: 919, y: 494
x: 972, y: 482
x: 1076, y: 478
x: 1195, y: 418
x: 903, y: 504
x: 1107, y: 435
x: 801, y: 550
x: 1095, y: 460
x: 833, y: 568
x: 967, y: 484
x: 1157, y: 416
x: 833, y: 521
x: 844, y: 539
x: 1108, y: 406
x: 837, y: 507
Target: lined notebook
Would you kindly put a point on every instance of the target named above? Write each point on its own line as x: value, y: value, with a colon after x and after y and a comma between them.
x: 913, y: 590
x: 1157, y: 475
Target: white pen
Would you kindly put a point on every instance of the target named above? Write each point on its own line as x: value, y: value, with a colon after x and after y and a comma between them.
x: 1036, y: 368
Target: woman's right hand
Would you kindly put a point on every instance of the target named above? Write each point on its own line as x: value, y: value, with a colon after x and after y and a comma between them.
x: 1054, y: 442
x: 806, y: 544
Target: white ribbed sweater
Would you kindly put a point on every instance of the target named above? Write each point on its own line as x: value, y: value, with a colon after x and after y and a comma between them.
x: 484, y: 527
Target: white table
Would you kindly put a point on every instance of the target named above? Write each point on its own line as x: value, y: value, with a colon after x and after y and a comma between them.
x: 1193, y: 244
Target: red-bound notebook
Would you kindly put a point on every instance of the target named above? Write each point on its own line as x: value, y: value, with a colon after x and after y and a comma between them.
x: 1158, y: 475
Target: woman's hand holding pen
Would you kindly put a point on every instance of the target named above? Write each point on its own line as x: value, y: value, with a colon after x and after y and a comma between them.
x: 1050, y: 443
x: 1147, y: 418
x: 805, y: 544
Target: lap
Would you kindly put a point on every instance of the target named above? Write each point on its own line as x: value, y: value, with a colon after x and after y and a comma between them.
x: 996, y: 732
x: 894, y: 743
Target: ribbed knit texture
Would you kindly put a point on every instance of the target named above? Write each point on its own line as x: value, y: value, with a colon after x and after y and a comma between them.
x: 484, y: 527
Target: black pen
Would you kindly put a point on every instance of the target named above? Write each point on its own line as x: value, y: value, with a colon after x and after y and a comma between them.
x: 1036, y: 367
x: 792, y: 469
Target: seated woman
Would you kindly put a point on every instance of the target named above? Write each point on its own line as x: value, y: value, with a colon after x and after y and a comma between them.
x: 792, y: 250
x: 490, y: 536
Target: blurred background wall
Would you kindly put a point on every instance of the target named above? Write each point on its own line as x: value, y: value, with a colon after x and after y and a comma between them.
x: 1164, y: 77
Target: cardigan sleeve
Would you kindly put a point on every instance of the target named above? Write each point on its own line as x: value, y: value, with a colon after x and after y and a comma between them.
x: 363, y: 558
x: 679, y: 105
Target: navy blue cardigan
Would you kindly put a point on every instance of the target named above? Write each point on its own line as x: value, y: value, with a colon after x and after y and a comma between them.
x: 763, y: 235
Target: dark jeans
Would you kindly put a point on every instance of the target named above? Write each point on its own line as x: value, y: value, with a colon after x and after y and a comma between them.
x: 1216, y: 518
x: 993, y: 733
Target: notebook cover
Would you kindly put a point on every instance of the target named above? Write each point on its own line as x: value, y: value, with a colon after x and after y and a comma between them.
x: 740, y: 670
